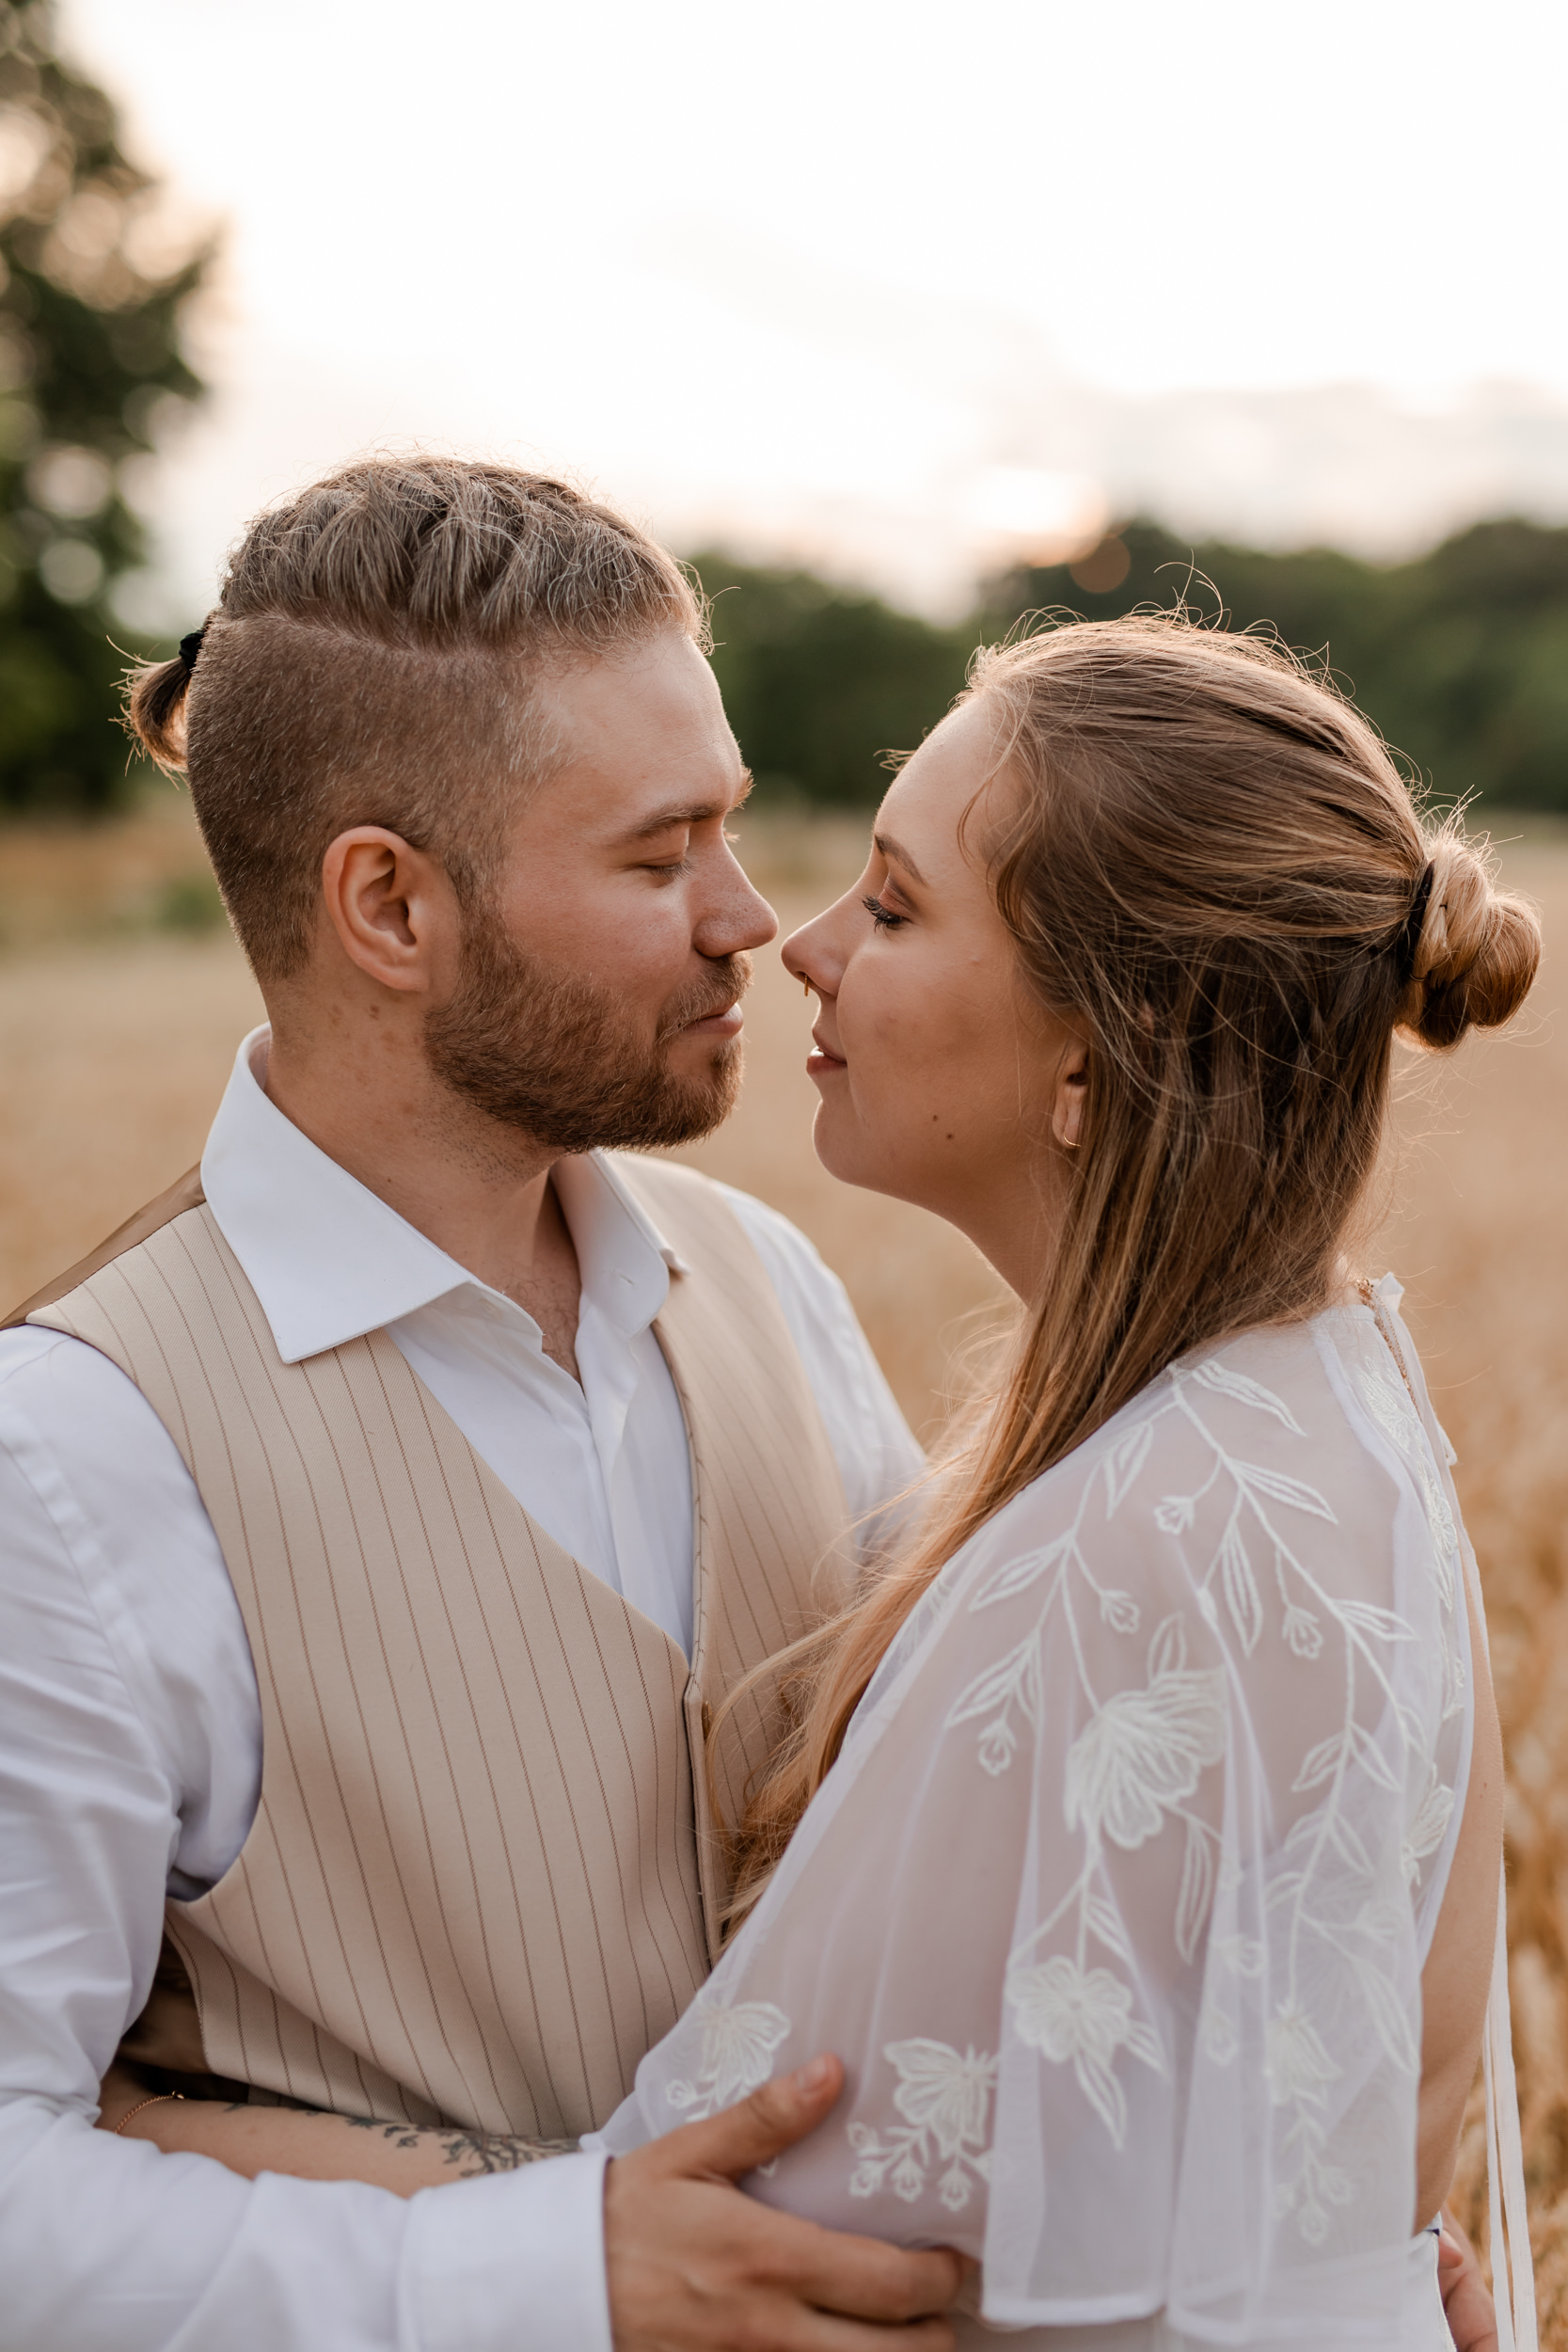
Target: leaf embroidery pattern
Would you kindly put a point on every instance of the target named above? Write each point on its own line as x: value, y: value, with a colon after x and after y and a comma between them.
x: 1388, y: 1403
x: 945, y: 2101
x: 1324, y: 1839
x: 1082, y: 2017
x: 1135, y: 1765
x: 1429, y: 1828
x: 735, y: 2057
x: 1390, y: 1406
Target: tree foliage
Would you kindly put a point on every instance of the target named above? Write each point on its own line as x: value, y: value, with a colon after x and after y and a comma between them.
x: 818, y: 681
x: 1461, y: 656
x: 90, y: 368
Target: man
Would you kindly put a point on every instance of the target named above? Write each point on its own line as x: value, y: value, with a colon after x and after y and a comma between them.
x: 353, y: 1653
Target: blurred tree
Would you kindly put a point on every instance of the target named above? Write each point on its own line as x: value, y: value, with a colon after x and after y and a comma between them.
x: 1461, y: 657
x: 91, y: 369
x: 819, y: 681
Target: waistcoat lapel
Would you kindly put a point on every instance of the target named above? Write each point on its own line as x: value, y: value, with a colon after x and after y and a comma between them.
x: 773, y: 1557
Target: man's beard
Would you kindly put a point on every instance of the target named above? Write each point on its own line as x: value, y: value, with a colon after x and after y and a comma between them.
x: 559, y: 1059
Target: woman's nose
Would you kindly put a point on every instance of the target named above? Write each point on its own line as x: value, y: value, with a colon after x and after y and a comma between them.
x: 816, y: 952
x: 796, y: 958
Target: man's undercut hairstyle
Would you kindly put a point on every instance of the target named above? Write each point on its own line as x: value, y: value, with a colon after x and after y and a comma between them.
x: 373, y: 660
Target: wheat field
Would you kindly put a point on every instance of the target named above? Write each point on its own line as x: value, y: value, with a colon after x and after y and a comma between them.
x: 120, y: 1008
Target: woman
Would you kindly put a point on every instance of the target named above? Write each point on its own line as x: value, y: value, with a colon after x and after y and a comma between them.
x: 1138, y: 1846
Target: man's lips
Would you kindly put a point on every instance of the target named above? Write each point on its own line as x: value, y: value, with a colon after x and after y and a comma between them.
x: 727, y: 1022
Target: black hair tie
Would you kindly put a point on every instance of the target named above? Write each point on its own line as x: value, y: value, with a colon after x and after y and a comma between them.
x: 1408, y: 938
x: 190, y: 647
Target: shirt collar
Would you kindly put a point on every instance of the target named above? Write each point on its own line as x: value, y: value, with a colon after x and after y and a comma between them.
x: 329, y: 1261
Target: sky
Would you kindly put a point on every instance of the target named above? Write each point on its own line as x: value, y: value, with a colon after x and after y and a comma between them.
x: 894, y: 290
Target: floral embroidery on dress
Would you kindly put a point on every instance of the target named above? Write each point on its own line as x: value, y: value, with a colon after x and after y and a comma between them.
x: 1428, y: 1829
x: 1389, y: 1403
x: 1393, y: 1408
x: 1116, y: 1893
x: 1299, y: 2071
x: 735, y: 2056
x: 1067, y: 2013
x: 945, y: 2100
x: 1137, y: 1761
x: 1142, y: 1753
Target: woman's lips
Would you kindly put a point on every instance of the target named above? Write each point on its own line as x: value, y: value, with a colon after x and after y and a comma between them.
x: 822, y: 1061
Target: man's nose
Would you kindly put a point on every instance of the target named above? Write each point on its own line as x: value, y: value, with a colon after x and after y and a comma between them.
x: 739, y: 919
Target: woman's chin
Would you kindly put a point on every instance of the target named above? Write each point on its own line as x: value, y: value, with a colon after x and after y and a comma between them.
x: 834, y: 1149
x: 844, y: 1151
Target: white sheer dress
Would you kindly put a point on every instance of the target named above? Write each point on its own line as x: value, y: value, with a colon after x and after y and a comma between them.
x: 1115, y: 1903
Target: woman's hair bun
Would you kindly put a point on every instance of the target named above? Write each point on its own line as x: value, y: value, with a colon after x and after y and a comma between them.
x: 1478, y: 947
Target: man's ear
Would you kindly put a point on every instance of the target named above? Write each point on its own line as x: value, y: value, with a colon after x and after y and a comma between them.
x: 392, y: 906
x: 1071, y: 1092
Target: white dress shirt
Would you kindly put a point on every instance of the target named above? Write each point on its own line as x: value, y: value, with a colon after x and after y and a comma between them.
x: 131, y: 1749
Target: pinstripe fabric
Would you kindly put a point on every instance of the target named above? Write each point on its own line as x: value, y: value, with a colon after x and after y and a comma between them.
x: 483, y: 1877
x: 768, y: 1500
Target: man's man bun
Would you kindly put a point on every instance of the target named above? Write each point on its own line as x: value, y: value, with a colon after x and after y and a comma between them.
x: 155, y: 710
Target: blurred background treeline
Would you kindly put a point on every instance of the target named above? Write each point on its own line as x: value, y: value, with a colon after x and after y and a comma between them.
x: 1460, y: 656
x: 92, y: 376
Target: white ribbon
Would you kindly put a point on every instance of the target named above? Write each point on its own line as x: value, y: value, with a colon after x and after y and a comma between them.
x: 1512, y: 2269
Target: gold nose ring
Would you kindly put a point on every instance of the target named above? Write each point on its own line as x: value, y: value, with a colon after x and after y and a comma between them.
x: 806, y: 985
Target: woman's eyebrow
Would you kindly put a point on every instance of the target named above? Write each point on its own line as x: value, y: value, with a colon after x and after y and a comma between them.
x: 898, y: 855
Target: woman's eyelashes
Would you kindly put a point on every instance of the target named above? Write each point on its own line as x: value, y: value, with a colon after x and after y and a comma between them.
x: 883, y: 916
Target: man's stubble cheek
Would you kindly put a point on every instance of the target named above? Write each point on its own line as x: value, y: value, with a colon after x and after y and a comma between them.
x: 565, y: 1060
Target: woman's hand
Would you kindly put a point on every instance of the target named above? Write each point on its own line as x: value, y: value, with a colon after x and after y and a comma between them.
x: 1469, y: 2308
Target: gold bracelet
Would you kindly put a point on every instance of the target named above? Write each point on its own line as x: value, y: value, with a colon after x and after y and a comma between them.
x: 157, y: 2101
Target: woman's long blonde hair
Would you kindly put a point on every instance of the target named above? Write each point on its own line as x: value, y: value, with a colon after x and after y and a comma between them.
x: 1205, y: 856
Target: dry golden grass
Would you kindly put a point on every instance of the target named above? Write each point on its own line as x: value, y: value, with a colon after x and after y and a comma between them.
x: 115, y: 1041
x: 114, y: 1044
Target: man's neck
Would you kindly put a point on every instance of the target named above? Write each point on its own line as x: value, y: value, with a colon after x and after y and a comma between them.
x: 479, y: 1191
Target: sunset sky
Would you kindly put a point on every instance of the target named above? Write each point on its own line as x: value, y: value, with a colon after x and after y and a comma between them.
x: 885, y: 288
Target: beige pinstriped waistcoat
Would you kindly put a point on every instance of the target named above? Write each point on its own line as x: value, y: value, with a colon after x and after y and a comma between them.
x: 484, y: 1876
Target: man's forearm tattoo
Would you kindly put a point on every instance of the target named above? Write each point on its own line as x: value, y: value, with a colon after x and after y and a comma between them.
x: 468, y: 2154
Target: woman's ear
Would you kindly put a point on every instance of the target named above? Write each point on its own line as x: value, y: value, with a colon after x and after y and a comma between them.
x: 1072, y: 1086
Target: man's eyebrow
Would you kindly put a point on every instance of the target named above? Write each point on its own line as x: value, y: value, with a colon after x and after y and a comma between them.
x: 692, y: 812
x: 898, y: 855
